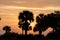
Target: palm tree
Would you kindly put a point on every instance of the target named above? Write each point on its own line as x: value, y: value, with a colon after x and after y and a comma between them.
x: 7, y: 29
x: 25, y: 18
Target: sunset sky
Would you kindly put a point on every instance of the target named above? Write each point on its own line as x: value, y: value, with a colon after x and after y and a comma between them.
x: 9, y: 10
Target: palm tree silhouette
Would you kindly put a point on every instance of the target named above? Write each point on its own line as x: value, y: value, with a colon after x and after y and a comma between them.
x: 25, y: 18
x: 7, y: 29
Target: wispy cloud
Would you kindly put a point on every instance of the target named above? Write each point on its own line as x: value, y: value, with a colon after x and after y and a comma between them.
x: 29, y: 8
x: 31, y: 3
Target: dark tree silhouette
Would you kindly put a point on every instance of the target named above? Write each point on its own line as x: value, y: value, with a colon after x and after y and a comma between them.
x: 57, y: 12
x: 7, y: 29
x: 0, y: 18
x: 25, y: 18
x: 45, y: 21
x: 54, y: 22
x: 57, y: 17
x: 39, y: 25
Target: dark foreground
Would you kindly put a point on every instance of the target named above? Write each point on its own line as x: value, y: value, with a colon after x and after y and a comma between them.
x: 15, y: 36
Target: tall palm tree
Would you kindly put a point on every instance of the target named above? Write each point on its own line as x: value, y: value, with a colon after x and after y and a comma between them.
x: 25, y: 18
x: 7, y: 29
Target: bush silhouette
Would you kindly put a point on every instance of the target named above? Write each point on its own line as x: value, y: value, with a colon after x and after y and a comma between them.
x: 7, y: 29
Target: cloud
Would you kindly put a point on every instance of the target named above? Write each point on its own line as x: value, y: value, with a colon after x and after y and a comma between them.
x: 31, y: 3
x: 29, y: 8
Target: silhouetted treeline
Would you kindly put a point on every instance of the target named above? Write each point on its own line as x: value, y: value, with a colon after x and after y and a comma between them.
x: 42, y: 23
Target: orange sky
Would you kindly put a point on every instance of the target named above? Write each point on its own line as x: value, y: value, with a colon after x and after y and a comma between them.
x: 9, y: 10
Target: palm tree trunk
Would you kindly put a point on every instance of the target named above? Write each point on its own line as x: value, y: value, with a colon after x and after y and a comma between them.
x: 26, y: 27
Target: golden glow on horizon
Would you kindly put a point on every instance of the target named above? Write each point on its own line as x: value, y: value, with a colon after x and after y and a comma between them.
x: 30, y: 8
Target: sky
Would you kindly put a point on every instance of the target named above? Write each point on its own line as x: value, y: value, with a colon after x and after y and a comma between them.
x: 10, y: 9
